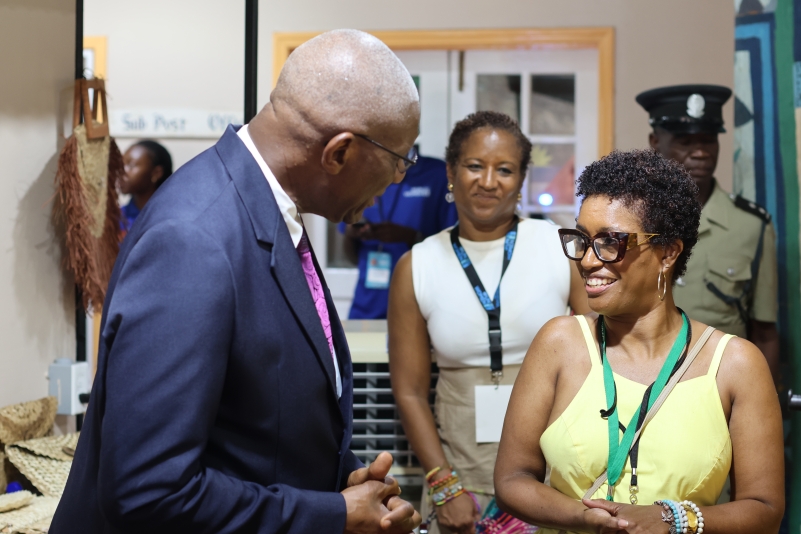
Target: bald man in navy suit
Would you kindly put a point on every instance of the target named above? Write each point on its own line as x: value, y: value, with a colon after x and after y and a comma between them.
x: 224, y: 389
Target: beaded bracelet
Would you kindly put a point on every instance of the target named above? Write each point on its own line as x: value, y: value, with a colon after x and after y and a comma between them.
x: 692, y: 519
x: 680, y: 517
x: 692, y: 508
x: 446, y: 488
x: 671, y: 515
x: 447, y: 493
x: 431, y: 473
x: 684, y: 517
x: 444, y: 481
x: 667, y: 515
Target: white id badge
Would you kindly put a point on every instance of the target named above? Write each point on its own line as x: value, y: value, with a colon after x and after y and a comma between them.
x: 378, y: 270
x: 491, y: 404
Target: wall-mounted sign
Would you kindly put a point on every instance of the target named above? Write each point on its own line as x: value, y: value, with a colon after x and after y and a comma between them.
x: 171, y: 122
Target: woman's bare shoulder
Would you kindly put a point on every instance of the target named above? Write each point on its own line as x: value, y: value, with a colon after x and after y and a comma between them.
x: 739, y: 355
x: 559, y: 329
x: 741, y: 362
x: 558, y: 339
x: 741, y: 358
x: 405, y: 261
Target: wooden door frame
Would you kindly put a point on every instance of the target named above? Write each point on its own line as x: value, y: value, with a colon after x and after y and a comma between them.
x: 98, y: 44
x: 600, y: 38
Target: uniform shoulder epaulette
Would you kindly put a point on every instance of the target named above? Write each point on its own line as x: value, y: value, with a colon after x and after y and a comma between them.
x: 751, y: 207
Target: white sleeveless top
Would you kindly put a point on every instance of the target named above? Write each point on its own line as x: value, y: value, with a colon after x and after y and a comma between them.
x: 534, y: 290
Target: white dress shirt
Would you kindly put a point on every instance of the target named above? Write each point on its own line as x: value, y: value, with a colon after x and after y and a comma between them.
x: 289, y: 211
x: 286, y: 206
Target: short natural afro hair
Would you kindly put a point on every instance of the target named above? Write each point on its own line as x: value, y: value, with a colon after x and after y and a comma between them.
x: 659, y: 190
x: 494, y: 121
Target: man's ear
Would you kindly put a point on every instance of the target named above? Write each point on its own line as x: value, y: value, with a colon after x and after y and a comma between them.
x: 337, y: 152
x: 653, y: 141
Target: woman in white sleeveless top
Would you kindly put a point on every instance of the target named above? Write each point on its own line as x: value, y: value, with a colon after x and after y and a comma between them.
x: 435, y: 308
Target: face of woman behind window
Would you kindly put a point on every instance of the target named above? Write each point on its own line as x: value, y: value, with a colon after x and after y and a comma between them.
x: 630, y: 285
x: 487, y: 178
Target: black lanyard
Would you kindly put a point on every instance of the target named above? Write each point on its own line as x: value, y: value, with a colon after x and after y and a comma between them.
x: 491, y: 306
x: 635, y: 449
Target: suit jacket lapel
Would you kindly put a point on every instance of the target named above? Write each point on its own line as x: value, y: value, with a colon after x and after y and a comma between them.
x: 271, y: 231
x: 289, y: 274
x: 341, y: 346
x: 344, y: 361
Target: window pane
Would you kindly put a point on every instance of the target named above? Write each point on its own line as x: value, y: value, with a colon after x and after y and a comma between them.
x: 551, y: 176
x: 499, y: 92
x: 553, y: 104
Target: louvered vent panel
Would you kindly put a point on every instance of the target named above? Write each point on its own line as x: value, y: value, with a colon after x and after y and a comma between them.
x: 376, y: 422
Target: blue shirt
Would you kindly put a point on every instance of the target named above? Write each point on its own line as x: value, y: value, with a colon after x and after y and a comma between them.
x: 129, y: 214
x: 418, y: 202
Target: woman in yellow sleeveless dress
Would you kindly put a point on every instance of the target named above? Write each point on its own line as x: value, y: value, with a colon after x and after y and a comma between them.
x: 636, y: 228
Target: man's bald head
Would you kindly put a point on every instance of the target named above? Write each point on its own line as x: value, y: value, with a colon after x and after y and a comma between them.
x: 334, y: 90
x: 347, y: 80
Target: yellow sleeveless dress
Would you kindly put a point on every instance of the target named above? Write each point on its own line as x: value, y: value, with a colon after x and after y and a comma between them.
x: 685, y: 451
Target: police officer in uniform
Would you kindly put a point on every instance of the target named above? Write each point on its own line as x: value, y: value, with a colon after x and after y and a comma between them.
x: 731, y: 280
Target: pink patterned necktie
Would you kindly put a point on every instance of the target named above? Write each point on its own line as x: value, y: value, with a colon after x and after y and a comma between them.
x: 316, y: 288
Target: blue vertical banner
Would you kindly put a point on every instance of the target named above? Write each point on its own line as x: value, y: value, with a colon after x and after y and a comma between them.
x: 755, y: 38
x: 767, y: 73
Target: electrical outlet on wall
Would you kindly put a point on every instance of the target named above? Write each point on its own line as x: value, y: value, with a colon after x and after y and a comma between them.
x: 69, y: 383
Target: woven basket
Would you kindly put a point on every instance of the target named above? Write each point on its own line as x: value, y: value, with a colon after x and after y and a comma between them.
x: 12, y: 501
x: 3, y: 479
x: 27, y: 420
x: 33, y: 518
x: 51, y: 447
x: 43, y: 462
x: 40, y: 527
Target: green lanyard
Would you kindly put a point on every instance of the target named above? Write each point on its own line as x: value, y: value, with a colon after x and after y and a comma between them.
x: 619, y: 451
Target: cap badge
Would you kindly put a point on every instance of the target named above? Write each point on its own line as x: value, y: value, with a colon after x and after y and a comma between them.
x: 695, y: 106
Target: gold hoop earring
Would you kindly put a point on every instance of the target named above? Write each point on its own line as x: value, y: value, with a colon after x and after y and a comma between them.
x: 661, y: 282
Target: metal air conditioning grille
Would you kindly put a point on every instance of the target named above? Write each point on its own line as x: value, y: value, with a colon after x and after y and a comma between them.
x: 376, y: 422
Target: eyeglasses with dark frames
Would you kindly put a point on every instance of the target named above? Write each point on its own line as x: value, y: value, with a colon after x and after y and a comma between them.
x: 609, y: 247
x: 404, y: 163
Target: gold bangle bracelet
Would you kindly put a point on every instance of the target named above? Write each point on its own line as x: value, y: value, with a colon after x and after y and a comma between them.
x: 692, y: 520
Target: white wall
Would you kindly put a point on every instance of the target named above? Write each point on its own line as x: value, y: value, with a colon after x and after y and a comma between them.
x: 37, y: 317
x: 658, y: 42
x: 172, y: 53
x: 192, y: 52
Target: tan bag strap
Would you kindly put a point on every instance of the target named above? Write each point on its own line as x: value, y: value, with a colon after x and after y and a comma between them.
x: 660, y: 400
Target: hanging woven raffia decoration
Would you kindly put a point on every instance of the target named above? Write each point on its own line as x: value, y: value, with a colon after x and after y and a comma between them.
x: 86, y: 207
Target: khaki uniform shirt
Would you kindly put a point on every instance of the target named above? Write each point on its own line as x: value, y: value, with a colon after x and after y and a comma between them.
x: 728, y: 237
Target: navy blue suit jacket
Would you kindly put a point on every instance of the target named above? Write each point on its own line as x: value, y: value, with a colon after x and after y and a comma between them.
x: 214, y: 407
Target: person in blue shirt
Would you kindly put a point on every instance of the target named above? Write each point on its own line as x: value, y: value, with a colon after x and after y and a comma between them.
x: 405, y: 214
x: 147, y: 164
